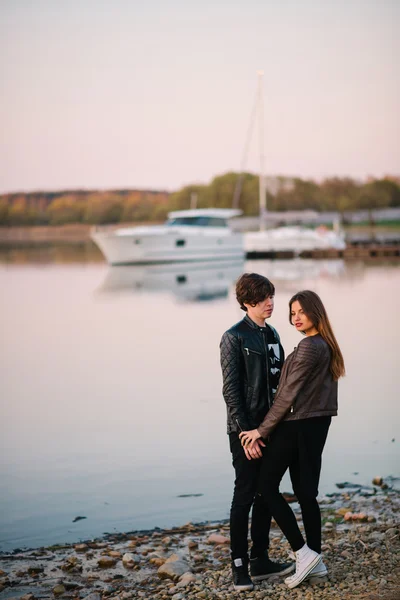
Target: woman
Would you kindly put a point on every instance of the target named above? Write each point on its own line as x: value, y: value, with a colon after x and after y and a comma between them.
x: 296, y: 427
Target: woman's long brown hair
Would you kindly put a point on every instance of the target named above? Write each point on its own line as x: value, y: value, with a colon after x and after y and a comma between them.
x: 313, y: 308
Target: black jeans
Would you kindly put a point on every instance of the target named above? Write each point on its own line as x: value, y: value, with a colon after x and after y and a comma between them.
x: 244, y: 497
x: 296, y: 445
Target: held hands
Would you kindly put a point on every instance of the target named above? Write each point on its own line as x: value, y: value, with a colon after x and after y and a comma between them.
x: 252, y: 444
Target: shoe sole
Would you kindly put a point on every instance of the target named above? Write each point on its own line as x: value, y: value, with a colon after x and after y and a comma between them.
x: 311, y: 566
x: 243, y: 588
x: 277, y: 574
x: 318, y: 576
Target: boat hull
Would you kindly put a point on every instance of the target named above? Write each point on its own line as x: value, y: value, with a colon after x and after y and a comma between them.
x: 172, y: 246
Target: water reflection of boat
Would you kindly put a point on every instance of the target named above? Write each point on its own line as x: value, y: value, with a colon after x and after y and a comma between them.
x: 198, y: 281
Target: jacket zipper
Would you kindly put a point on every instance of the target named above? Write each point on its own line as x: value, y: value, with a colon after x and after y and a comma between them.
x: 267, y: 365
x: 248, y: 350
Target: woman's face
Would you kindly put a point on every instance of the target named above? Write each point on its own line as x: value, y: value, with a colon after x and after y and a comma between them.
x: 300, y: 320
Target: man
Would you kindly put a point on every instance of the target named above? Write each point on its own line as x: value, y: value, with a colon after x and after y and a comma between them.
x: 251, y: 362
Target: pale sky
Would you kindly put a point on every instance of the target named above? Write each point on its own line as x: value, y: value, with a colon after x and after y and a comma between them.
x: 157, y: 94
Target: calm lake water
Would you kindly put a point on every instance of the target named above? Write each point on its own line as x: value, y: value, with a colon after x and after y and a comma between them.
x: 111, y: 404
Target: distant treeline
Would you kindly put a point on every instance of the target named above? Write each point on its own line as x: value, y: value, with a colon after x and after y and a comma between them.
x: 116, y: 206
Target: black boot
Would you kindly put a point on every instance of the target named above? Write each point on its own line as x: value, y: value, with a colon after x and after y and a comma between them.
x: 263, y: 568
x: 240, y: 574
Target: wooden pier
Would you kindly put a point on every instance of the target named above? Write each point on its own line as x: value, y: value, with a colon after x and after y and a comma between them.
x: 367, y: 252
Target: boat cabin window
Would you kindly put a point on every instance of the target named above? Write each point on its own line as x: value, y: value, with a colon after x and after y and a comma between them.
x: 199, y: 221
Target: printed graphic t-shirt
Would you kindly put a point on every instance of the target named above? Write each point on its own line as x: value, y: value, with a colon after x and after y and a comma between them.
x: 276, y: 358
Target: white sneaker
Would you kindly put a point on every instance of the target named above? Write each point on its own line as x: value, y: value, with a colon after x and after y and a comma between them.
x: 319, y: 572
x: 306, y: 560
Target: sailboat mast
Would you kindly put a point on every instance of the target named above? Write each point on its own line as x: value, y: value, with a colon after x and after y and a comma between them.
x: 262, y: 187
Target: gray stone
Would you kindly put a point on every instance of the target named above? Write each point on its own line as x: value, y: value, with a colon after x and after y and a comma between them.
x: 71, y: 585
x: 377, y: 536
x: 129, y: 560
x: 391, y: 532
x: 93, y: 596
x: 173, y: 568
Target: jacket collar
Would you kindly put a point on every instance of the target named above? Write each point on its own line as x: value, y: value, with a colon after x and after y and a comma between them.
x: 253, y: 324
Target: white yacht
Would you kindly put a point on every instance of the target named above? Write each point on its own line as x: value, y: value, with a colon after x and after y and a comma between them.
x: 292, y: 239
x: 188, y: 235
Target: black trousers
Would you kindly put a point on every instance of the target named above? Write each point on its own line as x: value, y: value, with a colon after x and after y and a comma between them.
x: 245, y: 496
x: 296, y: 445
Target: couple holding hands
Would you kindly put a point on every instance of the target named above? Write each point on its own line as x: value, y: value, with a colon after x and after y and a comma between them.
x: 279, y: 413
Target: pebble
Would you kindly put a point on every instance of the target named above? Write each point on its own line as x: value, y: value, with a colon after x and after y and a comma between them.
x: 59, y: 590
x: 93, y: 596
x: 129, y: 560
x: 33, y: 570
x: 391, y: 532
x: 377, y: 536
x: 106, y: 562
x: 173, y: 568
x: 186, y: 579
x: 215, y: 538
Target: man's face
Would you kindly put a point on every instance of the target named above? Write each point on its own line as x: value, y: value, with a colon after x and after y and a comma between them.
x: 262, y: 310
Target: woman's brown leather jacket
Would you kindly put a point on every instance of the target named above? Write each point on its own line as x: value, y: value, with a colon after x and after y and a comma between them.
x: 306, y: 388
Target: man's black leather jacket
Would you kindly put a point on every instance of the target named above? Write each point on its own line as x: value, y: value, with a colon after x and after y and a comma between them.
x: 246, y: 373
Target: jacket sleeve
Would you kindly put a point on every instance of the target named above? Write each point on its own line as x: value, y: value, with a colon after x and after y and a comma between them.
x: 232, y: 388
x: 303, y: 364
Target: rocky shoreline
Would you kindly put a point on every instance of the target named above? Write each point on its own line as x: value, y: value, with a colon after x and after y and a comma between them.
x: 361, y: 548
